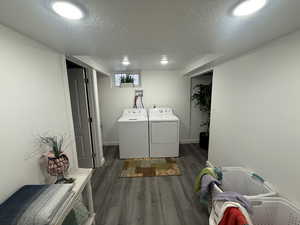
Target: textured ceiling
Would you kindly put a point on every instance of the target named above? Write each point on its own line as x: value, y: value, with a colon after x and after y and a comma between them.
x: 185, y: 30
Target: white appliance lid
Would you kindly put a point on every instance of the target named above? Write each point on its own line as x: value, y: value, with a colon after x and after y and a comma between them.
x: 161, y: 111
x: 134, y: 115
x: 162, y: 114
x: 163, y: 118
x: 134, y: 112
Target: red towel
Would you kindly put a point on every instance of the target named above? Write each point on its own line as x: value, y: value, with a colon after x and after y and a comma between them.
x: 233, y: 216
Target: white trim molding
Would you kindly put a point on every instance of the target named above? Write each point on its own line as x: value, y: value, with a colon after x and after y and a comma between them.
x: 110, y: 143
x: 189, y: 141
x: 204, y: 61
x: 95, y: 64
x: 182, y: 141
x: 102, y: 162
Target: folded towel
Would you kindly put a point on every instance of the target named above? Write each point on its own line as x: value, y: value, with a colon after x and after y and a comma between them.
x: 206, y: 184
x: 233, y: 216
x: 34, y: 204
x: 234, y: 197
x: 238, y: 216
x: 214, y: 172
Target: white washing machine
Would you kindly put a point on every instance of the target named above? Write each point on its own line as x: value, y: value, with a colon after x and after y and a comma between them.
x: 133, y: 134
x: 163, y: 133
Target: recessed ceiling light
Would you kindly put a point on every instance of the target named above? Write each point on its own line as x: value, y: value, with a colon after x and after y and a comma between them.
x: 125, y: 61
x: 67, y: 10
x: 248, y: 7
x: 164, y: 60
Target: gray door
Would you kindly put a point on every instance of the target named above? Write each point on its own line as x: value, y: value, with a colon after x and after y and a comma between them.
x: 81, y: 118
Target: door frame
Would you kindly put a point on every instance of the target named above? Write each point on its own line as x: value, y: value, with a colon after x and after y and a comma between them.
x: 204, y: 72
x: 94, y: 109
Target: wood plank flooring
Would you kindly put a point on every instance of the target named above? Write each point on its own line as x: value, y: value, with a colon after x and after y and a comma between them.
x: 150, y: 200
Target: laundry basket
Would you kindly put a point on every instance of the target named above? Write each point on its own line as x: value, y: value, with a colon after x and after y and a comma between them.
x: 244, y: 182
x: 270, y: 211
x: 275, y: 211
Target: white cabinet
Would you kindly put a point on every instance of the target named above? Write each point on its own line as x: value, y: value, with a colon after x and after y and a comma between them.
x: 164, y: 139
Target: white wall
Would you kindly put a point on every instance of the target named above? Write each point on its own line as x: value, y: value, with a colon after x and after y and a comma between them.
x: 34, y: 100
x: 162, y: 88
x: 256, y: 114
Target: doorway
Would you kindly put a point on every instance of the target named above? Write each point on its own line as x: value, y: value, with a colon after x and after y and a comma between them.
x: 81, y: 112
x: 201, y: 92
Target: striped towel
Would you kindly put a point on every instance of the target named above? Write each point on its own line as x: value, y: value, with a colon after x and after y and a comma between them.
x: 34, y: 204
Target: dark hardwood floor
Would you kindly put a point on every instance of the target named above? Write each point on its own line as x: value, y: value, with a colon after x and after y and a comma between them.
x: 150, y: 200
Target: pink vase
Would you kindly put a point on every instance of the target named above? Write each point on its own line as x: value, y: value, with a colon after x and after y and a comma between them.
x: 57, y: 166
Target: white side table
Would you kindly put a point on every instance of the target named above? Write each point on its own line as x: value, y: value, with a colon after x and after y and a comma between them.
x: 82, y: 183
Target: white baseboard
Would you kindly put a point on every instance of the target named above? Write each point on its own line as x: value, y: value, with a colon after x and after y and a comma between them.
x: 183, y: 141
x: 110, y: 143
x: 99, y: 162
x: 102, y: 161
x: 189, y: 141
x: 209, y: 164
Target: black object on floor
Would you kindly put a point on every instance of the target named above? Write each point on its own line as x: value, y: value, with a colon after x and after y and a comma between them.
x: 204, y: 140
